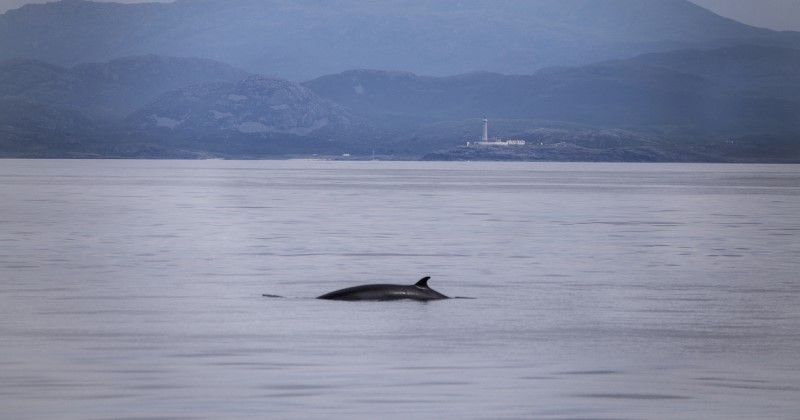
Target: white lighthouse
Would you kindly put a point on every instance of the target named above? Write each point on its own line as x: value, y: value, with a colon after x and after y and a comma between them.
x: 494, y: 142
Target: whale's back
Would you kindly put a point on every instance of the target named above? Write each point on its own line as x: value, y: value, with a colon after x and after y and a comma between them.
x: 384, y: 292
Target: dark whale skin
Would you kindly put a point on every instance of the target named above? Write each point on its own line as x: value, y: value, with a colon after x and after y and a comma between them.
x: 383, y: 292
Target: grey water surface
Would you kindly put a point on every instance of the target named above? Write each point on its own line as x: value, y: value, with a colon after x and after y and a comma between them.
x: 133, y: 290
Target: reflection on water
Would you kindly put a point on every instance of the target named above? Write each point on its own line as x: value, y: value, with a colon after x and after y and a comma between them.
x: 133, y: 289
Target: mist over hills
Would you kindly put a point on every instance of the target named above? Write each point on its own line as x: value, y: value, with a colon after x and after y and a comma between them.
x: 153, y: 106
x: 628, y: 93
x: 303, y: 39
x: 771, y: 70
x: 175, y: 107
x: 259, y: 115
x: 641, y: 80
x: 112, y: 89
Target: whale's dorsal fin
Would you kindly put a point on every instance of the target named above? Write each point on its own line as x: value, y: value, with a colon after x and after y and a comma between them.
x: 423, y: 282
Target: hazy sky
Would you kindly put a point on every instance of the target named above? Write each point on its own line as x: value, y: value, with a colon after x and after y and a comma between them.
x: 773, y: 14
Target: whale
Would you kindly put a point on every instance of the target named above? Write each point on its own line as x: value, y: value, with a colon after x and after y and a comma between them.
x: 383, y: 292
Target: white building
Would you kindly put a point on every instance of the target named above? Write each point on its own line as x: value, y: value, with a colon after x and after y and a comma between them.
x: 486, y: 141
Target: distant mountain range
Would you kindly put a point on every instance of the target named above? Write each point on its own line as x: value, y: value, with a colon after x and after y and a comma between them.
x: 109, y: 90
x: 303, y: 39
x: 675, y: 105
x: 668, y: 95
x: 612, y: 94
x: 256, y: 116
x: 730, y: 92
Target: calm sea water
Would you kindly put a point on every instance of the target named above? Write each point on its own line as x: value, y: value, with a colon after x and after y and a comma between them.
x: 133, y: 290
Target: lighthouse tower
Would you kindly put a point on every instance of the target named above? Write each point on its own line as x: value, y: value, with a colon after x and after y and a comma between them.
x: 485, y: 137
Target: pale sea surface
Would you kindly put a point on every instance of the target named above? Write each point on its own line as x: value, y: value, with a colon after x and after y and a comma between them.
x: 132, y: 290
